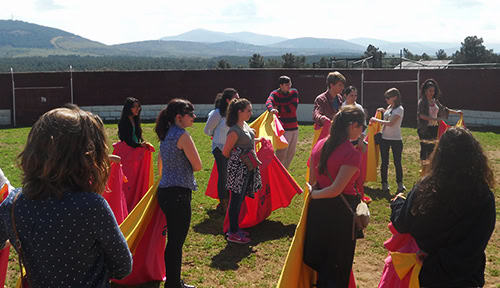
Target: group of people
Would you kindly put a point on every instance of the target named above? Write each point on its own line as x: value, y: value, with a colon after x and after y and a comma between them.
x: 58, y: 213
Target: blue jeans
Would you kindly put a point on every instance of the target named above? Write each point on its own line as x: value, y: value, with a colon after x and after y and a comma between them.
x: 221, y: 162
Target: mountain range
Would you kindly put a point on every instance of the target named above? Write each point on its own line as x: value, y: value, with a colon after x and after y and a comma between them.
x: 18, y: 38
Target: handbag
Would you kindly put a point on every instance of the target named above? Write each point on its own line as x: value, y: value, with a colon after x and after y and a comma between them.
x: 250, y: 159
x: 360, y: 217
x: 25, y: 281
x: 378, y: 138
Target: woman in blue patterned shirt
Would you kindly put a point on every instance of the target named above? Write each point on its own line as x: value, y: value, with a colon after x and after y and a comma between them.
x: 68, y: 233
x: 178, y: 159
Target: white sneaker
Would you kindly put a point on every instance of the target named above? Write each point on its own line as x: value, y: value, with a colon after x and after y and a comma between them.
x: 401, y: 187
x: 385, y: 186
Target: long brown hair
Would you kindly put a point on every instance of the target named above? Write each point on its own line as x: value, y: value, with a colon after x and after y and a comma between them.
x: 166, y: 117
x: 236, y: 105
x: 66, y: 150
x: 339, y: 132
x: 459, y: 174
x: 394, y: 92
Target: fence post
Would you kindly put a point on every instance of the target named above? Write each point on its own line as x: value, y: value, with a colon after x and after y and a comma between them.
x: 13, y: 97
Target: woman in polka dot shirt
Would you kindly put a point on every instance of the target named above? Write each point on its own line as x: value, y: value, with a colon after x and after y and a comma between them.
x: 68, y: 233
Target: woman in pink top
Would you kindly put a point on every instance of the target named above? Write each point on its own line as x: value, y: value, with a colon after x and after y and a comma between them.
x: 329, y: 243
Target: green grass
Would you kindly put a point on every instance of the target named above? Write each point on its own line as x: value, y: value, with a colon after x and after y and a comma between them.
x: 209, y: 261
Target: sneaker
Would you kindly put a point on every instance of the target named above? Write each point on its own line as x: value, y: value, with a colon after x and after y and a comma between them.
x: 238, y: 238
x: 242, y: 233
x: 184, y: 285
x: 385, y: 187
x: 401, y: 187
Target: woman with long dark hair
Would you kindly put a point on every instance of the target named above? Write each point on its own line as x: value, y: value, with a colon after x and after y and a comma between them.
x: 330, y: 240
x: 429, y: 112
x: 66, y: 232
x: 241, y: 181
x: 450, y: 212
x: 129, y: 127
x: 177, y: 160
x: 217, y: 128
x: 391, y: 137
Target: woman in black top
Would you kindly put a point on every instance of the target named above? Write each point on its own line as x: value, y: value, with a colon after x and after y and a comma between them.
x: 129, y: 127
x: 450, y: 213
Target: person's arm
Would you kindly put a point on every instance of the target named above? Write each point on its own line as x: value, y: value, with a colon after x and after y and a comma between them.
x: 388, y: 123
x: 312, y: 174
x: 270, y: 106
x: 231, y: 140
x: 401, y: 216
x: 186, y: 143
x: 117, y: 256
x: 345, y: 174
x: 319, y: 116
x: 126, y: 135
x: 212, y: 122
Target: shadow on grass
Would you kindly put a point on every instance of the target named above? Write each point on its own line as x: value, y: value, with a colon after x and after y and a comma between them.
x: 377, y: 194
x: 211, y: 225
x: 233, y: 253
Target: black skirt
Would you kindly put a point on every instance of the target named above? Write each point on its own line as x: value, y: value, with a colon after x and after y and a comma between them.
x: 328, y: 243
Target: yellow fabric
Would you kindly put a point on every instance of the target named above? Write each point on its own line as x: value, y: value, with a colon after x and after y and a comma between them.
x: 373, y: 150
x: 405, y: 263
x: 460, y: 122
x: 265, y: 127
x: 135, y: 224
x: 295, y: 273
x: 4, y: 189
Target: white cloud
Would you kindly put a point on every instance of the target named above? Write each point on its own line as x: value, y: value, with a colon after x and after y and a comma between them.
x: 114, y: 21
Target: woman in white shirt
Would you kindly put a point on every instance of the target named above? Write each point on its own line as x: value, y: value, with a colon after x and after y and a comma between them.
x: 391, y: 137
x: 217, y: 128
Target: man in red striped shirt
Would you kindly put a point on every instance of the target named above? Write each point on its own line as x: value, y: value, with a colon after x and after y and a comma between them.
x: 284, y: 102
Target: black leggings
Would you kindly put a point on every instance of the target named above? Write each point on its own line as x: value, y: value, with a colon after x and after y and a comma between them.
x: 397, y: 150
x: 221, y: 161
x: 175, y: 202
x: 427, y: 141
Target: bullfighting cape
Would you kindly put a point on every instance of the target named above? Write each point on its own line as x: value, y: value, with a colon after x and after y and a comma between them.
x: 4, y: 253
x: 373, y: 150
x: 278, y: 186
x: 443, y: 126
x: 401, y: 268
x: 145, y: 222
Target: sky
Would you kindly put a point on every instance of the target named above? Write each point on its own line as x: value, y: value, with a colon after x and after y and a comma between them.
x: 123, y: 21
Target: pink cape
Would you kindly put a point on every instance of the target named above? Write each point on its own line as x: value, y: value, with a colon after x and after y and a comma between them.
x: 4, y: 253
x: 149, y: 264
x: 397, y: 243
x: 278, y: 189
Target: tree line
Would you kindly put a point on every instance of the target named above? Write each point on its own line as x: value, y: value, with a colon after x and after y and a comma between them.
x: 472, y: 50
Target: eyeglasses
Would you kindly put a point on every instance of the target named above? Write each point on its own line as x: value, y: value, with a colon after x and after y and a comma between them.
x: 189, y: 113
x: 388, y: 97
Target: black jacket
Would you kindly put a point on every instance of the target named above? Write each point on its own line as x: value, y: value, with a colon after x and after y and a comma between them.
x: 455, y: 243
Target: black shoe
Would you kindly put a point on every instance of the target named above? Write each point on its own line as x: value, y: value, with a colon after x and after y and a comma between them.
x: 184, y: 285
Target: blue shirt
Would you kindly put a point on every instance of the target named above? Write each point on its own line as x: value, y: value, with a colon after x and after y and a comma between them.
x: 176, y: 168
x: 69, y: 242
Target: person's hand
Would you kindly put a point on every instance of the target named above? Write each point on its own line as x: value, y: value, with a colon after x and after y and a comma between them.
x: 324, y: 119
x: 114, y: 158
x: 274, y: 111
x: 309, y: 187
x: 401, y: 195
x: 381, y: 110
x: 362, y: 145
x: 460, y: 112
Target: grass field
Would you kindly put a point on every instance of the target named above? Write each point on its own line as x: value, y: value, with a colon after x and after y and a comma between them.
x: 209, y: 261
